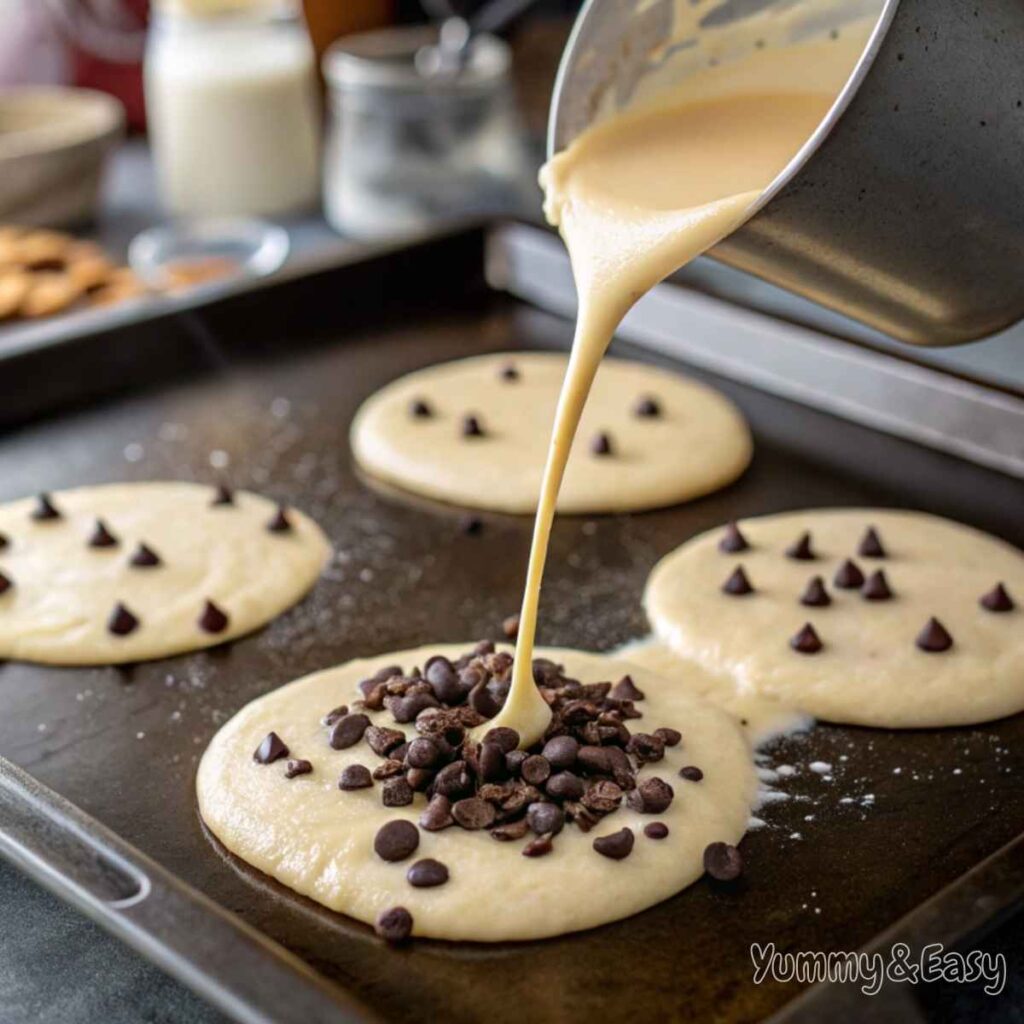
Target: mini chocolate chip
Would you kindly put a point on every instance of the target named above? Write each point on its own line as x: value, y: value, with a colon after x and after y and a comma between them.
x: 471, y: 525
x: 222, y: 496
x: 272, y: 748
x: 564, y: 786
x: 102, y: 537
x: 444, y: 680
x: 560, y: 752
x: 396, y: 841
x: 122, y: 621
x: 427, y: 873
x: 482, y: 701
x: 514, y: 761
x: 815, y: 595
x: 876, y: 588
x: 420, y: 409
x: 536, y: 770
x: 297, y: 767
x: 453, y: 781
x: 651, y: 796
x: 45, y: 509
x: 602, y: 796
x: 5, y: 541
x: 670, y: 737
x: 647, y: 408
x: 806, y: 641
x: 800, y: 550
x: 334, y: 714
x: 626, y: 689
x: 509, y: 372
x: 437, y: 814
x: 596, y: 759
x: 510, y: 627
x: 394, y: 925
x: 423, y: 752
x: 145, y: 557
x: 396, y: 792
x: 601, y: 444
x: 506, y: 738
x: 545, y: 819
x: 473, y: 813
x: 347, y: 731
x: 691, y: 773
x: 646, y: 748
x: 848, y: 576
x: 934, y: 638
x: 538, y: 847
x: 355, y: 776
x: 383, y: 741
x: 737, y: 584
x: 5, y: 583
x: 871, y: 545
x: 732, y: 540
x: 213, y: 620
x: 492, y: 762
x: 656, y: 830
x: 723, y: 862
x: 617, y: 846
x: 997, y: 600
x: 471, y: 427
x: 280, y: 523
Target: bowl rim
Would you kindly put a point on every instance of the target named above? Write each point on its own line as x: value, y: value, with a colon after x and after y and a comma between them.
x: 86, y: 116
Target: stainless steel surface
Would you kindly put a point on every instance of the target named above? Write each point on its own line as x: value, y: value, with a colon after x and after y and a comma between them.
x: 250, y: 978
x: 903, y: 210
x: 882, y: 391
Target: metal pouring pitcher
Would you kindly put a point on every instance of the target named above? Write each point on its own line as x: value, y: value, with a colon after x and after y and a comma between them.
x: 905, y: 209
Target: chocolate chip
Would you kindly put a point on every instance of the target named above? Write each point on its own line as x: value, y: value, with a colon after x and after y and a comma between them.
x: 453, y: 781
x: 280, y: 523
x: 617, y: 846
x: 122, y: 621
x: 471, y: 525
x: 394, y: 925
x: 102, y: 537
x: 871, y: 545
x: 670, y: 737
x: 651, y: 796
x: 510, y: 831
x: 213, y: 620
x: 646, y: 748
x: 647, y: 408
x: 5, y: 541
x: 437, y: 814
x: 355, y: 776
x: 596, y: 759
x: 420, y: 409
x: 471, y: 427
x: 492, y: 762
x: 419, y: 779
x: 297, y: 767
x: 934, y: 638
x: 545, y: 819
x: 536, y: 770
x: 656, y: 830
x: 876, y: 588
x: 388, y: 769
x: 732, y: 540
x: 509, y: 372
x: 506, y: 738
x: 145, y: 557
x: 45, y: 509
x: 560, y: 752
x: 5, y: 583
x: 443, y: 679
x: 601, y: 444
x: 348, y: 731
x: 723, y: 862
x: 800, y: 550
x: 473, y: 813
x: 602, y: 796
x: 691, y: 773
x: 272, y: 748
x: 427, y: 873
x: 737, y: 584
x: 222, y: 496
x: 997, y: 600
x: 510, y: 627
x: 482, y: 701
x: 564, y: 786
x: 848, y: 576
x: 626, y: 689
x: 423, y: 752
x: 806, y: 641
x: 538, y: 847
x: 396, y: 792
x: 514, y: 761
x: 334, y: 714
x: 815, y: 595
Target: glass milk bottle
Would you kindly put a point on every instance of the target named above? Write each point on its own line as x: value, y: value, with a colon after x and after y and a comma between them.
x: 232, y: 107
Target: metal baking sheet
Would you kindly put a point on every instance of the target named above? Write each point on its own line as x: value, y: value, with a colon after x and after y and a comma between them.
x: 259, y: 388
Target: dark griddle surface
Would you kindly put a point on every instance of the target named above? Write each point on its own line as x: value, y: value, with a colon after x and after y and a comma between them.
x: 123, y: 743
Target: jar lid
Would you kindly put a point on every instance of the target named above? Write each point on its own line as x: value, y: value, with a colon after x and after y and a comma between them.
x: 386, y: 60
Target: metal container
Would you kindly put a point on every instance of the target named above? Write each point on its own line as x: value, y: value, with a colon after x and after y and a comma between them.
x: 905, y: 209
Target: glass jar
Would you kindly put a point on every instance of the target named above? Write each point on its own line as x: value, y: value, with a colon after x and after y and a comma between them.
x: 406, y: 150
x: 232, y: 107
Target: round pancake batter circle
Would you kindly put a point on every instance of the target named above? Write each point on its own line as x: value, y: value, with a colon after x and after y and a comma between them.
x: 412, y: 433
x: 870, y: 669
x: 319, y: 840
x: 66, y: 576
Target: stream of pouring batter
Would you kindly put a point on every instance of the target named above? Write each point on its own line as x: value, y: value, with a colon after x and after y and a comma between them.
x: 635, y: 198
